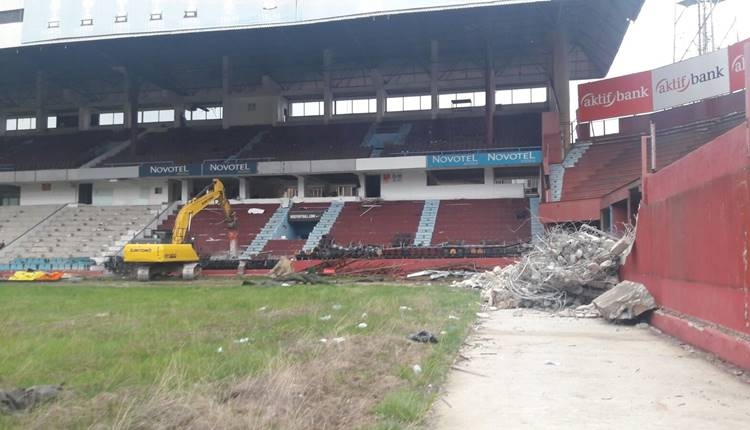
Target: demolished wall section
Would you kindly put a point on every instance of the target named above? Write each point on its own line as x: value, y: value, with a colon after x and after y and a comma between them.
x: 692, y: 241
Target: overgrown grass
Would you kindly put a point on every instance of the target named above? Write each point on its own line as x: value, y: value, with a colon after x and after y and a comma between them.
x: 145, y: 356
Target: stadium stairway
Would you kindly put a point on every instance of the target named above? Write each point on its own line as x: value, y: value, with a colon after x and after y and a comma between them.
x: 427, y: 223
x: 323, y: 226
x: 557, y: 171
x: 81, y: 231
x: 268, y: 232
x: 537, y: 228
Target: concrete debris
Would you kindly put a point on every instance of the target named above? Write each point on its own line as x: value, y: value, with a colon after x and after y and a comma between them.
x: 626, y: 301
x: 362, y: 325
x: 27, y: 398
x: 583, y: 311
x: 423, y: 336
x: 566, y: 268
x: 439, y: 274
x: 282, y: 268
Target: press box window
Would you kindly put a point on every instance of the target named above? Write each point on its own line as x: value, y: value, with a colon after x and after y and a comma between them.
x: 205, y: 114
x: 355, y: 106
x: 21, y: 123
x: 461, y: 100
x: 110, y: 118
x: 408, y: 103
x: 314, y: 108
x: 155, y: 116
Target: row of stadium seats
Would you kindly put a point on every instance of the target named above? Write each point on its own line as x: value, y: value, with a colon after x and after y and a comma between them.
x: 55, y: 150
x: 63, y: 150
x: 75, y: 263
x: 615, y: 161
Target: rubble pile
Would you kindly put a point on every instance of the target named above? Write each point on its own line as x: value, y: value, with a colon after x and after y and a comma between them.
x: 565, y: 268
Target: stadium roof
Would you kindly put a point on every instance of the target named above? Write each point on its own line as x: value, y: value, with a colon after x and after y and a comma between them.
x: 519, y: 31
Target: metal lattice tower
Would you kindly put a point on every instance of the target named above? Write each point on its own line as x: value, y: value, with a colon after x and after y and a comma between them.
x: 703, y: 37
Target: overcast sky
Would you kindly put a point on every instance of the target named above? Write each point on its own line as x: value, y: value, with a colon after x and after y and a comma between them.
x: 649, y: 41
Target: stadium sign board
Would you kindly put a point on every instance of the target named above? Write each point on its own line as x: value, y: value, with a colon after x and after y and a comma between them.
x: 485, y: 159
x: 207, y: 168
x: 698, y: 78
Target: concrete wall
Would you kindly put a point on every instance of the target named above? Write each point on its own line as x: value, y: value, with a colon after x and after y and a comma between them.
x: 59, y: 193
x: 10, y: 34
x: 142, y: 192
x: 692, y: 243
x: 411, y: 185
x: 252, y: 110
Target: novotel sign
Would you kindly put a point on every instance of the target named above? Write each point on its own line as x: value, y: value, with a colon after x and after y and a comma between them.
x: 207, y: 168
x: 485, y: 159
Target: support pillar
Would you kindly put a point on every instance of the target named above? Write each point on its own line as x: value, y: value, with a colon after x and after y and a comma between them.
x: 301, y: 187
x: 84, y: 118
x: 243, y: 189
x: 361, y: 192
x: 179, y: 115
x: 561, y: 80
x: 489, y: 176
x: 226, y: 89
x: 132, y: 90
x: 41, y: 101
x: 380, y: 95
x: 187, y: 189
x: 327, y: 93
x: 489, y: 91
x: 3, y: 124
x: 434, y: 59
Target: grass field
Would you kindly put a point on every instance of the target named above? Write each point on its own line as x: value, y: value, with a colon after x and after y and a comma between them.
x: 216, y: 354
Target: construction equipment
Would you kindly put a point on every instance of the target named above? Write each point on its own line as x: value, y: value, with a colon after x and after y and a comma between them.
x: 179, y: 256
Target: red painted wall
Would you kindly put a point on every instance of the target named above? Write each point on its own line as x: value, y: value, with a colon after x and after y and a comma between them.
x: 693, y: 234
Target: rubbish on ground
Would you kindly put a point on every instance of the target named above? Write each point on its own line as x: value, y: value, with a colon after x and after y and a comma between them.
x: 565, y: 268
x: 583, y: 311
x: 439, y: 274
x: 263, y: 308
x: 282, y: 268
x: 452, y: 317
x: 242, y: 340
x: 256, y: 211
x: 423, y: 336
x: 285, y: 284
x: 325, y: 317
x: 626, y: 301
x: 338, y: 339
x: 324, y: 340
x: 404, y: 308
x: 336, y: 307
x: 417, y: 369
x: 301, y: 278
x: 35, y: 276
x: 362, y: 325
x: 364, y: 315
x: 220, y: 349
x: 27, y: 398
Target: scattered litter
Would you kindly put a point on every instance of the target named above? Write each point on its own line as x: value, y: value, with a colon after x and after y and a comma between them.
x: 285, y: 284
x: 220, y: 349
x: 338, y: 339
x: 404, y: 308
x: 423, y: 336
x: 417, y: 369
x: 551, y: 363
x: 242, y: 340
x: 439, y: 274
x: 336, y: 307
x: 483, y: 315
x: 364, y: 315
x: 325, y: 317
x: 324, y: 340
x: 452, y: 317
x: 362, y: 325
x: 102, y: 314
x: 263, y: 308
x: 626, y: 301
x: 27, y: 398
x: 565, y: 268
x: 442, y: 332
x: 256, y: 211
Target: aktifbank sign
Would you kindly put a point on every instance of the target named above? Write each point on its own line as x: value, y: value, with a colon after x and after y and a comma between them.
x: 709, y: 75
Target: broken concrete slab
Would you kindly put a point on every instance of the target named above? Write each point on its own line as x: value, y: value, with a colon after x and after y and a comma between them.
x: 27, y: 398
x: 626, y: 301
x: 282, y: 268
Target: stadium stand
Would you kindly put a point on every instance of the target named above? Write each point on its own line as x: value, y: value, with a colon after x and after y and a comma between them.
x: 276, y: 248
x: 482, y: 222
x: 310, y: 142
x: 56, y: 150
x: 209, y: 233
x: 185, y: 145
x: 467, y: 133
x: 376, y: 223
x: 17, y: 220
x: 82, y: 231
x: 614, y: 161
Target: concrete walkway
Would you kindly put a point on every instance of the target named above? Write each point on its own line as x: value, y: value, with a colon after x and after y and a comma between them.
x: 530, y: 370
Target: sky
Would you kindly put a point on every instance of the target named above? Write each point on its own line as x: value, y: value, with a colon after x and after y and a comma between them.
x: 649, y: 41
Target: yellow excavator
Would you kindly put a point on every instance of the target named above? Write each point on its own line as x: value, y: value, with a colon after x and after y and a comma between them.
x: 179, y: 256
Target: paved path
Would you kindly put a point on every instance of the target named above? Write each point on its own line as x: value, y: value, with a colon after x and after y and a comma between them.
x: 530, y: 370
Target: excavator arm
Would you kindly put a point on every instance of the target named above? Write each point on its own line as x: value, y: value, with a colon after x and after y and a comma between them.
x: 210, y: 194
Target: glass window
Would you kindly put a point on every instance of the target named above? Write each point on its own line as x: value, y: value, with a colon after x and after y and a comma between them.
x: 538, y: 95
x: 51, y: 122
